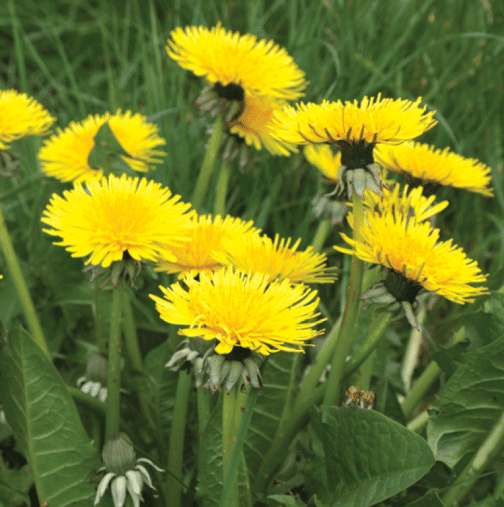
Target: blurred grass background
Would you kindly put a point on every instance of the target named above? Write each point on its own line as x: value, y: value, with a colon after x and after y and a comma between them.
x: 80, y: 57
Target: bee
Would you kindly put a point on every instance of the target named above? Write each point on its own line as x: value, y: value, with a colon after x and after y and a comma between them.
x: 357, y: 398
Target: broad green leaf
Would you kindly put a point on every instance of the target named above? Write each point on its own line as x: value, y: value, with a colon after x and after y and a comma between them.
x: 469, y: 405
x: 284, y: 501
x: 14, y: 485
x: 269, y: 408
x: 369, y: 457
x: 47, y: 426
x: 430, y: 499
x: 210, y: 473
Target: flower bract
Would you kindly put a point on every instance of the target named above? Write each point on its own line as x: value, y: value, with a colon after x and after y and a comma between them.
x: 125, y: 474
x: 422, y: 164
x: 413, y: 250
x: 207, y: 235
x: 117, y: 215
x: 242, y: 310
x: 66, y: 154
x: 21, y: 116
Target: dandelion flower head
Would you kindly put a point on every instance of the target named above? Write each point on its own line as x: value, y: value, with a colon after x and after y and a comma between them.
x: 370, y: 122
x: 422, y: 164
x: 21, y: 116
x: 66, y: 154
x: 276, y: 259
x: 207, y: 235
x: 254, y: 122
x: 117, y: 215
x: 242, y: 310
x: 414, y: 251
x: 397, y: 201
x: 259, y: 67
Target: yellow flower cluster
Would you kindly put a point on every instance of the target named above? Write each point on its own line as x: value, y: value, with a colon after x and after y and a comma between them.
x: 237, y: 285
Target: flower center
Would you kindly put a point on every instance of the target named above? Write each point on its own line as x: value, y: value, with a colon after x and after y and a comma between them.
x: 402, y: 288
x: 356, y: 155
x: 238, y: 354
x: 231, y: 91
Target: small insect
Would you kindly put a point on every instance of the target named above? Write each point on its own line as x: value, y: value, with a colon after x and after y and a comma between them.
x: 357, y: 398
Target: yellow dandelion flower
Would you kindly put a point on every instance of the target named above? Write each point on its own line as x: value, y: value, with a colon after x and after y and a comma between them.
x: 324, y: 159
x: 276, y: 259
x: 253, y: 125
x: 412, y: 249
x: 241, y: 310
x: 423, y: 164
x: 65, y: 155
x: 198, y: 254
x: 371, y: 122
x: 117, y: 215
x: 355, y: 129
x: 258, y: 67
x: 410, y: 203
x: 21, y: 116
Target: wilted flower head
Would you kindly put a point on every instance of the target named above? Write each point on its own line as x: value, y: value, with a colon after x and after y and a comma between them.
x: 94, y: 382
x: 125, y: 473
x: 21, y: 116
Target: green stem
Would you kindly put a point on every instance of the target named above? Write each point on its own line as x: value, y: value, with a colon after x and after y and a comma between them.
x: 410, y: 358
x: 418, y: 423
x: 201, y: 187
x: 176, y: 443
x: 490, y: 448
x: 284, y: 437
x: 349, y: 323
x: 96, y: 315
x: 21, y: 288
x: 112, y: 419
x: 291, y: 388
x: 376, y: 329
x: 314, y: 373
x: 229, y: 432
x: 203, y: 397
x: 428, y: 377
x: 321, y: 234
x: 422, y: 385
x: 237, y: 451
x: 222, y: 186
x: 131, y: 341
